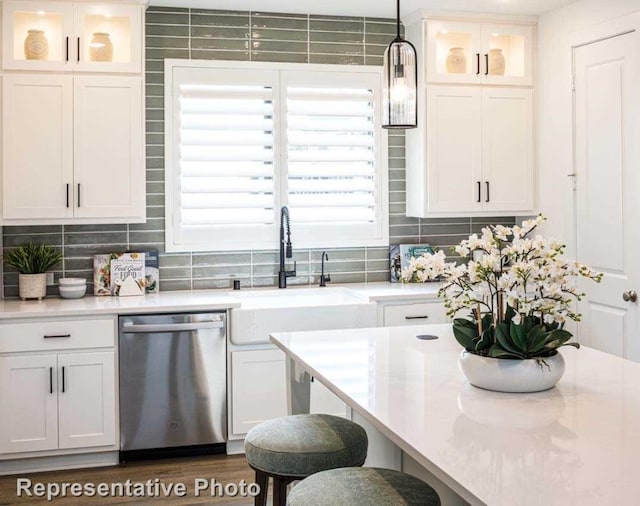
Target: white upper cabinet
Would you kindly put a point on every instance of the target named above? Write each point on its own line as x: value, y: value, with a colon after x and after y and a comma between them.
x: 72, y: 36
x: 73, y: 149
x: 474, y: 53
x: 37, y: 111
x: 108, y: 168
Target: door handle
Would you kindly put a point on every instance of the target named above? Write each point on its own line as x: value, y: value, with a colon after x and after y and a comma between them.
x: 477, y: 64
x: 131, y: 328
x: 67, y: 196
x: 424, y: 317
x: 63, y: 384
x: 78, y: 194
x: 50, y: 380
x: 66, y: 51
x: 479, y: 191
x: 486, y: 62
x: 78, y: 49
x: 57, y: 336
x: 488, y: 194
x: 630, y: 296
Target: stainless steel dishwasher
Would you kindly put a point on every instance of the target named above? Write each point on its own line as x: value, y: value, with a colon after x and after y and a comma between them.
x: 172, y: 384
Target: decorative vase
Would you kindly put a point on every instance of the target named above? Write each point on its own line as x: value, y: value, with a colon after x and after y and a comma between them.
x: 32, y: 286
x: 456, y: 61
x: 101, y: 47
x: 496, y: 62
x: 36, y: 45
x: 513, y: 376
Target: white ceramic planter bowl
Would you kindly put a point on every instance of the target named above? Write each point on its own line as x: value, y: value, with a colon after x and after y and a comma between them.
x: 72, y: 292
x: 514, y: 376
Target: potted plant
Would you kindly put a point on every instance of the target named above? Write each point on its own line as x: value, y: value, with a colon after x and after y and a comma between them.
x: 32, y: 261
x: 515, y: 294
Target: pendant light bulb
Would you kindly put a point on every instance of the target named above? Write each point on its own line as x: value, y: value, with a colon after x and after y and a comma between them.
x: 400, y: 82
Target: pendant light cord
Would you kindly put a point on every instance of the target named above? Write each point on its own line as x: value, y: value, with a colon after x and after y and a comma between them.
x: 398, y: 18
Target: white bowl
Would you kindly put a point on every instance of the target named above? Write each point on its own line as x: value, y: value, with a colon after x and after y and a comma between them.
x: 66, y: 282
x: 72, y: 292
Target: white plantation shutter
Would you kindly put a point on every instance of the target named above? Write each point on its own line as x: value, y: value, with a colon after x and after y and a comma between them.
x: 333, y: 157
x: 246, y: 138
x: 225, y: 155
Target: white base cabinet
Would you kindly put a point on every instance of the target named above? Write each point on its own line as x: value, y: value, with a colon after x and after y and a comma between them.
x: 259, y: 390
x: 57, y: 386
x: 89, y: 161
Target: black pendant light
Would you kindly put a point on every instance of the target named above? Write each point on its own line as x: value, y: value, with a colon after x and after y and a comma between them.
x: 400, y: 83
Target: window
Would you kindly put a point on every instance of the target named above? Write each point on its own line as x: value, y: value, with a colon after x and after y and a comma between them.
x: 244, y: 139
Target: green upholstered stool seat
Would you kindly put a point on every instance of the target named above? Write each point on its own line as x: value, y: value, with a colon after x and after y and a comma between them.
x: 293, y: 447
x: 300, y: 445
x: 366, y: 486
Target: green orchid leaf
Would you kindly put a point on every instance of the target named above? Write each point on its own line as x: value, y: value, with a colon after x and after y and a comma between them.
x: 504, y: 340
x: 465, y: 333
x: 487, y: 321
x: 497, y: 351
x: 518, y: 335
x: 485, y: 341
x: 537, y: 338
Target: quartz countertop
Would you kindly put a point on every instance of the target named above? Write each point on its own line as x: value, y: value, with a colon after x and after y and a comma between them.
x: 205, y: 300
x: 576, y: 444
x: 197, y: 300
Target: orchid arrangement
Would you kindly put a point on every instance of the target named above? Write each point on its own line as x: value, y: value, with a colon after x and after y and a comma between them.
x: 518, y: 289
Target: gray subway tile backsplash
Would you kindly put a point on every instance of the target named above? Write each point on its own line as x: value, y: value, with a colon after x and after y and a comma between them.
x: 173, y: 32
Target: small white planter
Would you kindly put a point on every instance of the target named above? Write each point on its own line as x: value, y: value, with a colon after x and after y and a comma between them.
x: 514, y: 376
x: 32, y: 286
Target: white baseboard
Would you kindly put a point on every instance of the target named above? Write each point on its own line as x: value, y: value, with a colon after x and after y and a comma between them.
x: 57, y: 463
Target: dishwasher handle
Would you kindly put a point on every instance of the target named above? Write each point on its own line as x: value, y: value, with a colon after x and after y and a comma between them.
x: 131, y: 328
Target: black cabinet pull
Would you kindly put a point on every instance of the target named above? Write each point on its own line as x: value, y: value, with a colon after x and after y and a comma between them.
x: 479, y: 191
x: 78, y: 194
x: 56, y: 336
x: 67, y: 195
x: 78, y: 49
x: 488, y: 198
x: 66, y: 51
x: 50, y: 380
x: 63, y: 386
x: 424, y: 317
x: 486, y: 62
x: 478, y: 64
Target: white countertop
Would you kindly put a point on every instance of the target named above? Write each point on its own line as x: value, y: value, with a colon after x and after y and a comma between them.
x: 198, y: 300
x: 576, y: 444
x: 205, y: 300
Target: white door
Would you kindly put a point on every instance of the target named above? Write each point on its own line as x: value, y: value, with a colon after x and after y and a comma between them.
x: 86, y: 398
x: 607, y: 158
x: 109, y: 158
x: 37, y: 146
x: 258, y: 388
x: 28, y: 400
x: 454, y: 150
x: 507, y: 149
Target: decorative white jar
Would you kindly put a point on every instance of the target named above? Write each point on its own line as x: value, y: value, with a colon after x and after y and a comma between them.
x: 101, y: 47
x: 456, y: 61
x: 514, y: 376
x: 36, y: 45
x: 496, y: 62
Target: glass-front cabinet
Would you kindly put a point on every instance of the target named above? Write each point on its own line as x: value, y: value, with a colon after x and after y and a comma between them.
x: 72, y: 36
x: 474, y: 53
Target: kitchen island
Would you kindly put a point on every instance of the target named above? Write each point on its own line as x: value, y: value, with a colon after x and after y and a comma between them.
x: 576, y: 444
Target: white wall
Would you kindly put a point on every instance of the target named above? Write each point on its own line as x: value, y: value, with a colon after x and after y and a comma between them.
x: 555, y: 110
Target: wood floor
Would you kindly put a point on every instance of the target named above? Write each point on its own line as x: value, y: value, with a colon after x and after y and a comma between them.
x: 224, y: 469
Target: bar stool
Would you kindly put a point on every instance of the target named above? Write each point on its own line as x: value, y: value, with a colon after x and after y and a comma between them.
x: 363, y: 486
x: 294, y: 447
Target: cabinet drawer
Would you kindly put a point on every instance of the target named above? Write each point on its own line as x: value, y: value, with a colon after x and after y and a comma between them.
x: 46, y: 335
x: 414, y: 314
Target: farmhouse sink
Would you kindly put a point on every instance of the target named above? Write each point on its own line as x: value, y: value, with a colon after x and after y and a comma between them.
x: 263, y: 312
